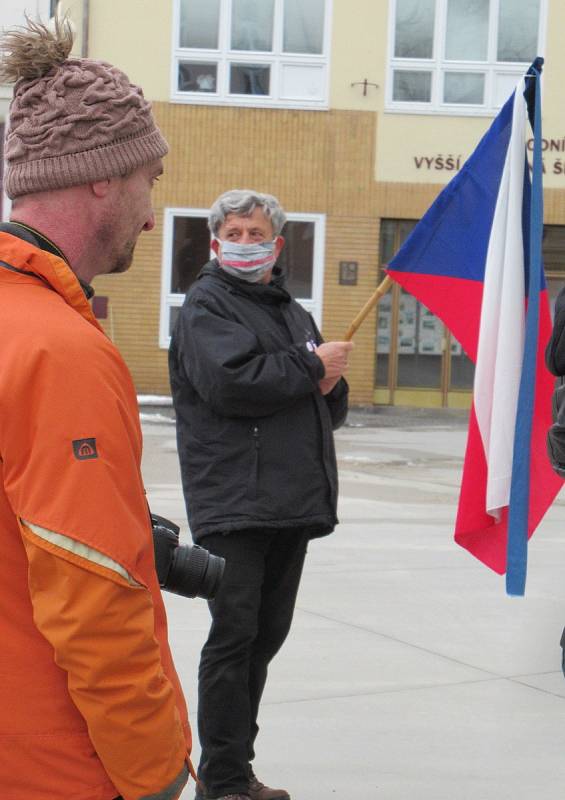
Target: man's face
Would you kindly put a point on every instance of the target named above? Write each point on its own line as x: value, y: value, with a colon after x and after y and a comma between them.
x: 248, y: 230
x: 128, y: 214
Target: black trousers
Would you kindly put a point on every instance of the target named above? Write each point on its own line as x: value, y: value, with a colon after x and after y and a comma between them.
x: 251, y: 617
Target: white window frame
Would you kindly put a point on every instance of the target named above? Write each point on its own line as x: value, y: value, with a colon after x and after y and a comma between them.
x: 313, y: 304
x: 171, y: 299
x: 276, y: 59
x: 438, y: 65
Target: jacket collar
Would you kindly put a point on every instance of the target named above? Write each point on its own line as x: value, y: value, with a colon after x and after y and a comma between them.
x: 273, y: 292
x: 49, y: 268
x: 36, y: 238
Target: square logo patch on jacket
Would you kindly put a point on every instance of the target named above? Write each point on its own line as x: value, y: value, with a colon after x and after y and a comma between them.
x: 85, y: 449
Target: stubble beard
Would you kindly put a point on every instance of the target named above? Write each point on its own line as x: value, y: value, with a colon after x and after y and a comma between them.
x: 122, y: 261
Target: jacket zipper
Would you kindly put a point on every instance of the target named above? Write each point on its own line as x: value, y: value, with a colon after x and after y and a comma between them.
x: 254, y: 475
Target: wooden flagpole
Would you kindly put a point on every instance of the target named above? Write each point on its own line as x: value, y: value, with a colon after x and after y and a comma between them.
x: 381, y: 289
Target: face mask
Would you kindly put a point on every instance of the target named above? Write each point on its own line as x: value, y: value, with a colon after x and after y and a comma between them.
x: 249, y: 262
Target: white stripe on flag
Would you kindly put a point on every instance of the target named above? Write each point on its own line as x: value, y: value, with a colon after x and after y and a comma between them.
x: 501, y: 334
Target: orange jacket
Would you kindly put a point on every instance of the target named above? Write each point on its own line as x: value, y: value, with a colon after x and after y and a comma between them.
x: 90, y: 703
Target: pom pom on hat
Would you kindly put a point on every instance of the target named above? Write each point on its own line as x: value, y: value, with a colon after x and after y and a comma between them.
x: 72, y: 120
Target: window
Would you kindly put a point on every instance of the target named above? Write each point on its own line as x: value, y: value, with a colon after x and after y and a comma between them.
x: 186, y: 248
x: 460, y: 56
x: 252, y: 52
x: 414, y: 350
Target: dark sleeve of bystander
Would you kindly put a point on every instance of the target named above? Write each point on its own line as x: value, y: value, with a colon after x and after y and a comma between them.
x: 555, y: 351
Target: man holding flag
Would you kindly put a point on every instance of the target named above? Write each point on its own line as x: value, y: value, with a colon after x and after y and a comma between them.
x: 475, y: 261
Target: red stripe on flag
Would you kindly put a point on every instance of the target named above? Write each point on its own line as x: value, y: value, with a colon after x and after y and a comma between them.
x: 456, y: 301
x: 476, y: 530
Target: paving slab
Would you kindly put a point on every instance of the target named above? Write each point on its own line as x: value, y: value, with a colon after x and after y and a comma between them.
x: 408, y: 673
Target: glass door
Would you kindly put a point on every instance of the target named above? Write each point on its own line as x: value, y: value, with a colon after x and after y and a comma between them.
x: 417, y: 361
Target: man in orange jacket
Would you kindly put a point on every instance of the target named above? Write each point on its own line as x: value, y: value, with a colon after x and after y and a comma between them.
x: 90, y: 703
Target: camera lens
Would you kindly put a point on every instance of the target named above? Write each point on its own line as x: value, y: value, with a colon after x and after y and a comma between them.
x: 195, y: 572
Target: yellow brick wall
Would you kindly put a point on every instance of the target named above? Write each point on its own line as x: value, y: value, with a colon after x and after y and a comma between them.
x: 133, y: 312
x: 554, y: 207
x: 315, y: 163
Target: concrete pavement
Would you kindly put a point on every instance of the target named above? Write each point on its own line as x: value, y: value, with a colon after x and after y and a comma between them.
x: 408, y: 674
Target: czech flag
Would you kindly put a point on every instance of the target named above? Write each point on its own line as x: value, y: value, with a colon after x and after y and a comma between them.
x: 474, y: 260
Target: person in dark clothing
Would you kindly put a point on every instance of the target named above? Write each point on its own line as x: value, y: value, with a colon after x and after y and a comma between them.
x: 555, y: 362
x: 257, y: 396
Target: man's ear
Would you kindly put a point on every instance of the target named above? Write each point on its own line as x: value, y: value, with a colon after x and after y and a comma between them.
x: 100, y: 188
x: 279, y: 244
x: 215, y: 246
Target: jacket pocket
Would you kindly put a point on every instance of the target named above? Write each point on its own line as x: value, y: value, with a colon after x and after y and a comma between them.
x: 253, y: 481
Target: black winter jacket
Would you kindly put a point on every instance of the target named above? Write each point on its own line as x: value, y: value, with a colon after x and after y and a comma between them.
x: 555, y: 351
x: 254, y: 432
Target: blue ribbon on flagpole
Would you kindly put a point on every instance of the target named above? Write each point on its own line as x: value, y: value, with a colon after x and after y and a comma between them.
x: 517, y: 546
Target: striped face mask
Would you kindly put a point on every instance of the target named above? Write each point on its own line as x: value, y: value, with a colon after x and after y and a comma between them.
x: 249, y: 262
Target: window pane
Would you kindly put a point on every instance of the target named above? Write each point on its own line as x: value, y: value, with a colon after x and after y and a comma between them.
x: 467, y: 30
x: 553, y: 248
x: 195, y: 77
x: 518, y: 23
x: 405, y: 228
x: 393, y: 233
x: 462, y: 368
x: 420, y: 344
x: 504, y: 86
x: 297, y: 258
x: 464, y: 87
x: 252, y: 25
x: 384, y: 320
x: 303, y: 26
x: 191, y: 250
x: 415, y: 87
x: 414, y: 34
x: 199, y: 23
x: 249, y: 79
x: 387, y: 244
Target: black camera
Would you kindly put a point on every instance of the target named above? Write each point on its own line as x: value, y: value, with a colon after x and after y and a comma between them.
x: 182, y: 569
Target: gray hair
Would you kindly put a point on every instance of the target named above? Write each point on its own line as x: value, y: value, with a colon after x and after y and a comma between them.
x: 242, y: 203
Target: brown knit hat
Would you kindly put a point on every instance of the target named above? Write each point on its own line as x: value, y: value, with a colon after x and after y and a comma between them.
x: 72, y: 120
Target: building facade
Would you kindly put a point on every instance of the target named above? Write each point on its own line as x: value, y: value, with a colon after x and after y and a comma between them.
x: 355, y: 113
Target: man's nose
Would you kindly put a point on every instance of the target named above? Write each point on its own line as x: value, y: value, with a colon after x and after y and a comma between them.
x: 150, y: 222
x: 245, y: 238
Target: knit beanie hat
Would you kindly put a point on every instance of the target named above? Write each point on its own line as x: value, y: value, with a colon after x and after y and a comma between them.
x: 72, y: 120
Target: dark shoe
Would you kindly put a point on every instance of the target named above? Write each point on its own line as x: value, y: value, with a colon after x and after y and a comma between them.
x: 258, y: 790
